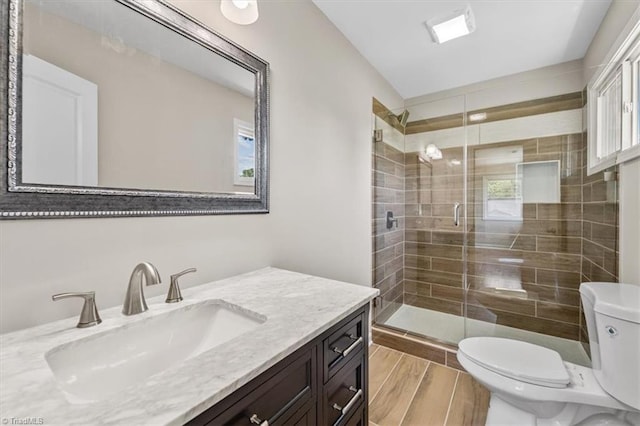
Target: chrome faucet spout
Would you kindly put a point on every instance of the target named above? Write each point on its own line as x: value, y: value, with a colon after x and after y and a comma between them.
x: 134, y: 301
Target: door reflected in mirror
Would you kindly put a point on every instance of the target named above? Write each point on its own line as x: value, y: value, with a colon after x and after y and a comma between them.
x: 112, y: 99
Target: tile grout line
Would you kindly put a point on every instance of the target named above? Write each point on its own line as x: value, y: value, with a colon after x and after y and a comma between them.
x: 424, y: 373
x: 455, y: 385
x: 374, y: 351
x: 386, y: 378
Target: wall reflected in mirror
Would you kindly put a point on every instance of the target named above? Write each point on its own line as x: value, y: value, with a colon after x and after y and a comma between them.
x: 112, y: 99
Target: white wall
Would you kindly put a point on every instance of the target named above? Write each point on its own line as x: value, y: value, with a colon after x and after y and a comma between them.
x: 612, y: 25
x: 320, y: 220
x: 608, y: 34
x: 544, y: 82
x: 630, y: 222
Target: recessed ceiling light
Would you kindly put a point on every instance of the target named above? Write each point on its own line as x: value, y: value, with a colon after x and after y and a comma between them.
x: 478, y: 116
x: 453, y: 25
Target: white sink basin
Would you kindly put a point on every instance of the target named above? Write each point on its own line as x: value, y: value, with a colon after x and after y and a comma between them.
x: 95, y: 367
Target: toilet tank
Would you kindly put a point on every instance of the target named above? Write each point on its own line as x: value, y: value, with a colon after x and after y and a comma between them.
x: 612, y: 312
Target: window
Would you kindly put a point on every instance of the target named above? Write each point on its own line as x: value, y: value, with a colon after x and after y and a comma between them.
x: 614, y: 108
x: 609, y: 118
x: 245, y: 153
x: 502, y: 199
x: 635, y: 69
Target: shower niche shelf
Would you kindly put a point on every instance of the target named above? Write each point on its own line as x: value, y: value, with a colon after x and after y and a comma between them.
x: 540, y: 181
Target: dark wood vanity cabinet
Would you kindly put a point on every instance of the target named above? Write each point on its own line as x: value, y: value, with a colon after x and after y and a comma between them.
x: 322, y: 383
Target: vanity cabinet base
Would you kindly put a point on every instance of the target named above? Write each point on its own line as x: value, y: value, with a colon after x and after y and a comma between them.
x: 323, y: 383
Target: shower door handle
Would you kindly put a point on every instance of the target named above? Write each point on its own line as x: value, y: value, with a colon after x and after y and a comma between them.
x: 456, y: 214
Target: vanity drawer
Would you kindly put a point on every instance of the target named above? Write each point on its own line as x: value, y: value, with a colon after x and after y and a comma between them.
x: 358, y: 419
x: 342, y: 345
x: 284, y: 398
x: 345, y: 393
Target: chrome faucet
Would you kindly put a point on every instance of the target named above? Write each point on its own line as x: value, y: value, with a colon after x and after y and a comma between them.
x: 174, y: 295
x: 134, y: 302
x: 89, y: 315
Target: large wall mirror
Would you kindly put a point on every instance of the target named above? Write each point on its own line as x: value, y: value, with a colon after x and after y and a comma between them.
x: 128, y: 108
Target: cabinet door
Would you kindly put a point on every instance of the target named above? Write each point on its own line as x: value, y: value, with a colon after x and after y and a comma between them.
x: 306, y: 416
x: 274, y: 401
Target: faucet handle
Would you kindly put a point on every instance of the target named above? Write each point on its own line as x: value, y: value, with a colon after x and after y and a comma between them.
x: 174, y: 295
x: 89, y: 315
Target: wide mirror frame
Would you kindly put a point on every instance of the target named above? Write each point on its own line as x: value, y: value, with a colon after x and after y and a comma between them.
x: 21, y: 201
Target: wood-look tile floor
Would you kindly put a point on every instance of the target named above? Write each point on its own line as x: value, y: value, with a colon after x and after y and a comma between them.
x: 406, y: 390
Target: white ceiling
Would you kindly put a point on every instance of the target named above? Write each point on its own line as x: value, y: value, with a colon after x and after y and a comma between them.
x: 512, y: 36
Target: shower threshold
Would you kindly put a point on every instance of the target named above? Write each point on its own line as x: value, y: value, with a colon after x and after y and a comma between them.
x: 451, y: 328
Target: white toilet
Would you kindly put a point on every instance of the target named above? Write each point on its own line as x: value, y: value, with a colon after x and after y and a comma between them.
x: 531, y: 385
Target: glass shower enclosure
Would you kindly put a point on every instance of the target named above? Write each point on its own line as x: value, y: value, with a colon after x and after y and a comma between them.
x: 484, y: 220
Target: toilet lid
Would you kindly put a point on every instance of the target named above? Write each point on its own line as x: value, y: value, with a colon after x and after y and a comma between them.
x: 517, y: 360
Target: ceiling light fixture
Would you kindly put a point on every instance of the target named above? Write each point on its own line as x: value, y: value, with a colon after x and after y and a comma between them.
x: 453, y: 25
x: 243, y: 12
x: 433, y: 152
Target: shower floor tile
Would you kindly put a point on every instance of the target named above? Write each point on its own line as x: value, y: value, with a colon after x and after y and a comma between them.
x: 451, y: 328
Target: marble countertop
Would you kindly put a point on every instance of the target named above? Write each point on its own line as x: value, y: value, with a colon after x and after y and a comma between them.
x: 297, y: 308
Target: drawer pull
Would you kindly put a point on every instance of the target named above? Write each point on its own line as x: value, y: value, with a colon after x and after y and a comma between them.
x: 344, y: 410
x: 351, y: 347
x: 255, y: 420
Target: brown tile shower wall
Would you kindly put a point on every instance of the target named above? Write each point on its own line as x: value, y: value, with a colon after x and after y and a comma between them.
x: 600, y: 232
x: 388, y: 244
x: 433, y: 245
x: 600, y: 229
x: 542, y: 254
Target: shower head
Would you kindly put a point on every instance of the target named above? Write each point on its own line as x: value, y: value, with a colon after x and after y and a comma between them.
x: 400, y: 118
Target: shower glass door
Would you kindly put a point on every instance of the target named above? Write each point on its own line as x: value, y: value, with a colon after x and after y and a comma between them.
x: 537, y: 225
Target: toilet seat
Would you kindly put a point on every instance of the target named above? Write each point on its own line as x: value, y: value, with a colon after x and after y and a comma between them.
x: 517, y: 360
x: 583, y: 389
